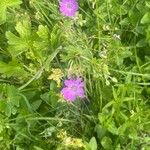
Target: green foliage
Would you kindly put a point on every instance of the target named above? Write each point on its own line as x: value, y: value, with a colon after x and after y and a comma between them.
x: 107, y: 143
x: 21, y: 43
x: 92, y: 144
x: 107, y: 43
x: 12, y: 68
x: 3, y: 8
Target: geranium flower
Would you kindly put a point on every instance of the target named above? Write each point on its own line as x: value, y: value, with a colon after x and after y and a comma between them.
x: 73, y: 89
x: 68, y: 7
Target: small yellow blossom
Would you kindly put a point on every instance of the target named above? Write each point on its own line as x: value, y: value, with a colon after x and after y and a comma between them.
x: 56, y: 76
x: 62, y: 134
x: 73, y: 142
x: 70, y: 141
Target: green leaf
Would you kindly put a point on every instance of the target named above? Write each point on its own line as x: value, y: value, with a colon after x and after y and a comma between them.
x: 2, y: 105
x: 16, y: 44
x: 43, y: 32
x: 93, y: 144
x: 124, y: 22
x: 55, y: 37
x: 4, y: 4
x: 13, y: 95
x: 141, y: 43
x: 18, y: 148
x: 133, y: 134
x: 134, y: 16
x: 112, y: 127
x: 37, y: 148
x: 13, y: 68
x: 10, y: 104
x: 45, y: 97
x: 107, y: 143
x: 8, y: 109
x: 36, y: 104
x: 146, y: 18
x: 21, y: 43
x: 147, y: 4
x: 24, y: 29
x: 3, y: 14
x: 140, y: 29
x: 9, y: 3
x: 102, y: 117
x: 101, y: 131
x: 42, y: 43
x: 148, y: 34
x: 13, y: 110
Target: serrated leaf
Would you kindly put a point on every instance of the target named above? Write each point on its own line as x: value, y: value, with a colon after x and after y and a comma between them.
x: 13, y: 68
x: 43, y: 32
x: 13, y: 96
x: 4, y: 4
x: 24, y: 29
x: 55, y: 37
x: 42, y: 43
x: 21, y: 43
x: 10, y: 104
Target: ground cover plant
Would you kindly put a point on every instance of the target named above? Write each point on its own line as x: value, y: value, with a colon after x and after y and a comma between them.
x: 74, y: 74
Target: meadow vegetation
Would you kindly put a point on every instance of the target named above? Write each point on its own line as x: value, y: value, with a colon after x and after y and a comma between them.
x: 100, y: 51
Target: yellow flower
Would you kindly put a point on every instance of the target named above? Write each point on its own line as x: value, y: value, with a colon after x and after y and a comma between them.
x: 78, y: 142
x: 56, y: 76
x: 62, y: 134
x: 70, y: 142
x: 73, y: 142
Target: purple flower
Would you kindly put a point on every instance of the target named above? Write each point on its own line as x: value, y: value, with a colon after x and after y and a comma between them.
x: 68, y: 7
x: 73, y: 89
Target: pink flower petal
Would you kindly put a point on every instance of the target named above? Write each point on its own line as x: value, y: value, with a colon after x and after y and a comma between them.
x: 68, y: 7
x: 73, y: 89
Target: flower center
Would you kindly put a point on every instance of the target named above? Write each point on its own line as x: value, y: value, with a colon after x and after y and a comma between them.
x: 74, y: 88
x: 69, y: 6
